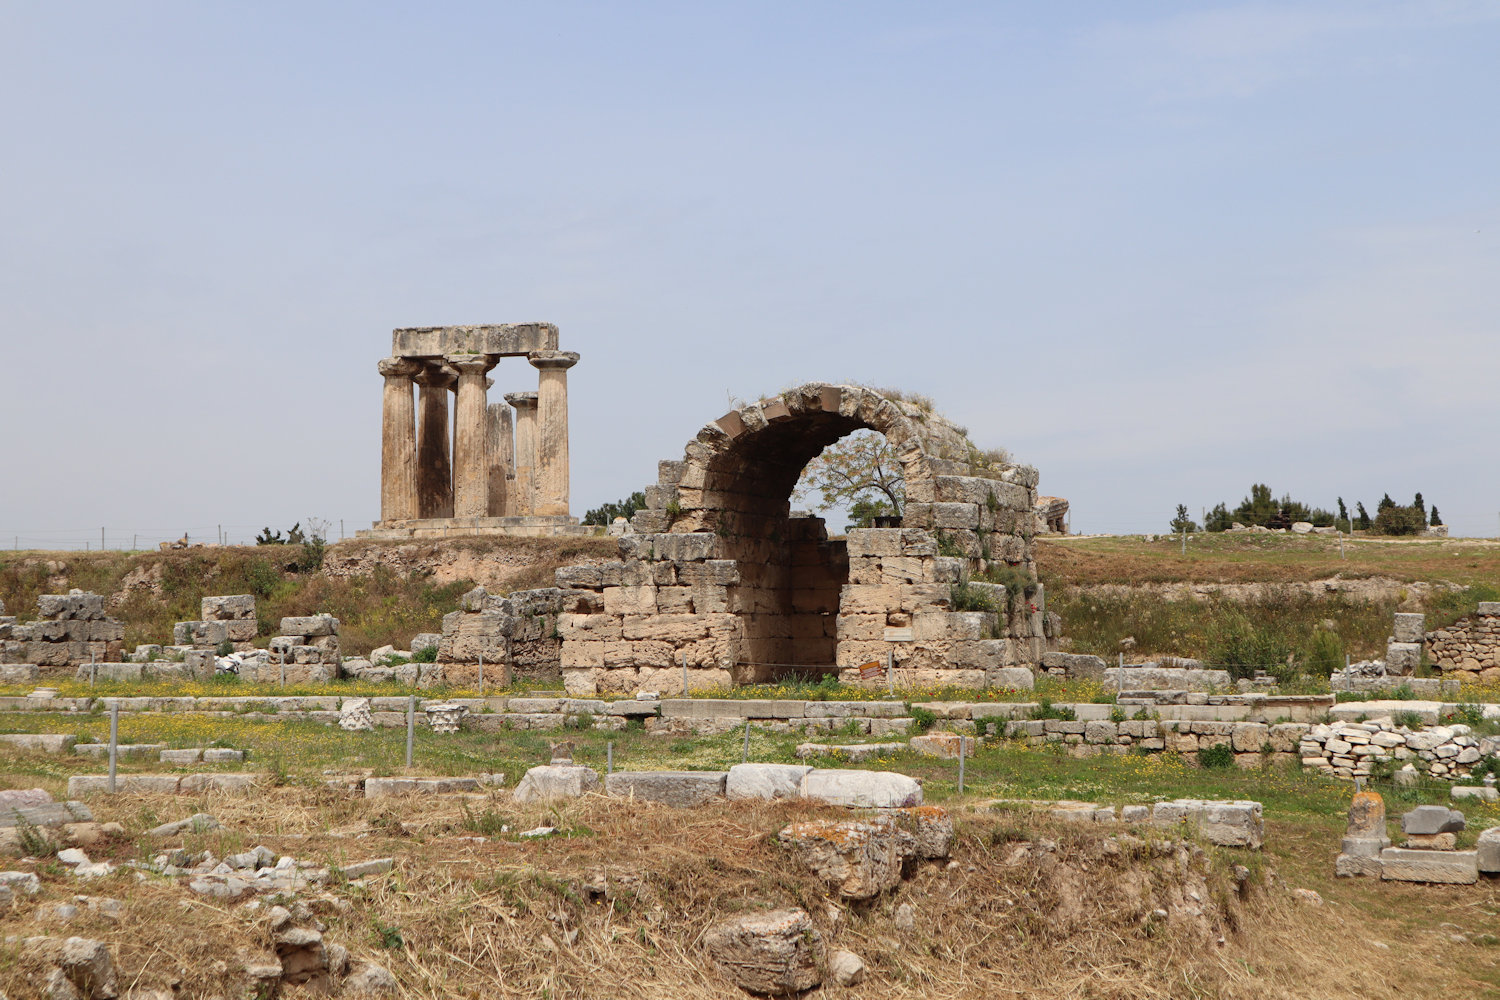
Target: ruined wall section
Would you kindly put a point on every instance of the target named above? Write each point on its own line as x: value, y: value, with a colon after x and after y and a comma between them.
x: 1469, y: 649
x: 720, y: 574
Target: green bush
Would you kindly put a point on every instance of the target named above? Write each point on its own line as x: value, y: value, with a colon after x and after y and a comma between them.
x: 1046, y: 710
x: 922, y: 719
x: 1324, y: 654
x: 1220, y: 755
x: 427, y: 654
x: 1241, y: 646
x: 967, y: 597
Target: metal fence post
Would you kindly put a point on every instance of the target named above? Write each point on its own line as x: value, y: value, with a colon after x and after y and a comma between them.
x: 609, y: 758
x: 411, y: 725
x: 746, y: 758
x: 114, y: 743
x: 961, y: 739
x: 481, y: 675
x: 684, y: 674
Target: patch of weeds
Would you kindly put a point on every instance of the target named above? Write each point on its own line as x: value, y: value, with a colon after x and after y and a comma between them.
x: 1411, y: 720
x: 427, y: 654
x: 922, y: 719
x: 387, y: 936
x: 583, y: 720
x: 1117, y: 714
x: 1046, y: 710
x: 34, y: 840
x: 1218, y: 756
x: 488, y: 823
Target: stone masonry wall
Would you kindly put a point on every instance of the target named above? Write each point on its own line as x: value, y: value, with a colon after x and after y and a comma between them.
x: 517, y: 636
x: 718, y: 575
x: 1469, y: 649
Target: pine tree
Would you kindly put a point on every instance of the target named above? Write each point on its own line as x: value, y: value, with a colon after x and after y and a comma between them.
x: 1386, y: 503
x: 1362, y: 519
x: 1420, y: 507
x: 1343, y: 511
x: 1182, y: 522
x: 1436, y: 520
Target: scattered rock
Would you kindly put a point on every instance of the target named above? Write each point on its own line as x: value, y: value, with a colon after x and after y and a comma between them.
x: 846, y: 968
x: 370, y: 980
x: 1308, y: 896
x: 88, y: 966
x: 771, y: 953
x: 303, y: 960
x: 905, y: 918
x: 196, y: 823
x: 1432, y: 819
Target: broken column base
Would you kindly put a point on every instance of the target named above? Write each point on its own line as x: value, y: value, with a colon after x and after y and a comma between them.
x: 452, y: 527
x: 1399, y: 864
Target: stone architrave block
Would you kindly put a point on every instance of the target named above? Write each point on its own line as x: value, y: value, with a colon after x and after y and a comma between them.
x: 1399, y: 864
x: 765, y: 781
x: 311, y: 625
x: 234, y: 607
x: 671, y: 788
x: 861, y: 789
x: 1410, y: 628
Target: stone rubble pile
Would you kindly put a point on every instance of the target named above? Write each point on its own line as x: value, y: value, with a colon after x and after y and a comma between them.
x: 1352, y: 749
x: 71, y: 629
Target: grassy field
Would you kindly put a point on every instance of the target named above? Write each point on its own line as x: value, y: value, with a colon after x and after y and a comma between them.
x: 1108, y: 590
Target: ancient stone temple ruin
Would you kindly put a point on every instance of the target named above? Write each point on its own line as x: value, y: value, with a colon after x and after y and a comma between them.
x: 495, y: 473
x: 719, y: 582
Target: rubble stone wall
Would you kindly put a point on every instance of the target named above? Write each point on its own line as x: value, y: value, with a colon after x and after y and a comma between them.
x: 1469, y: 649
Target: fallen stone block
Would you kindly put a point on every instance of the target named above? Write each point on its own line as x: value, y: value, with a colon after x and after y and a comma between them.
x: 556, y: 781
x: 16, y: 798
x: 859, y: 858
x: 1487, y: 851
x: 46, y: 814
x: 192, y: 784
x: 360, y: 869
x: 671, y: 788
x: 1356, y: 866
x: 944, y: 746
x: 931, y: 828
x: 850, y: 751
x: 861, y: 789
x: 773, y: 953
x: 1432, y: 819
x: 765, y: 781
x: 40, y: 742
x: 1398, y: 864
x: 196, y: 823
x: 1228, y: 824
x: 379, y: 788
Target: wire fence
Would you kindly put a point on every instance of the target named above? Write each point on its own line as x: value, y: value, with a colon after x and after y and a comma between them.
x: 117, y: 539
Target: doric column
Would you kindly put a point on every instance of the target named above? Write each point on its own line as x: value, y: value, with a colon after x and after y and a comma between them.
x: 471, y: 458
x: 525, y: 404
x: 502, y: 455
x: 551, y: 473
x: 398, y: 444
x: 434, y: 463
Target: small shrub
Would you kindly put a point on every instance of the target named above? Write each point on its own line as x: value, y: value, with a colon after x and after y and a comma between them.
x: 1117, y: 714
x: 224, y: 648
x: 1046, y: 710
x: 1470, y: 715
x: 1324, y: 654
x: 427, y: 654
x: 1220, y: 755
x: 922, y: 719
x: 1411, y: 720
x: 583, y: 720
x: 964, y: 596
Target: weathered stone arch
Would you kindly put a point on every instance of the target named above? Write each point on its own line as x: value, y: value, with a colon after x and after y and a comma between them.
x: 718, y: 575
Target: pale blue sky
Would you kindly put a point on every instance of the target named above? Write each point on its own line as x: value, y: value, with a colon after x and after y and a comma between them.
x: 1159, y: 250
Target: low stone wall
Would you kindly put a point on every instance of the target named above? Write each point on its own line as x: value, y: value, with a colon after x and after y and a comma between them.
x: 1254, y: 744
x: 1352, y: 749
x: 1469, y: 649
x: 1427, y: 687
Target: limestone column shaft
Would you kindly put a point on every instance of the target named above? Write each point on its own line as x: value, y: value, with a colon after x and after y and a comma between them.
x: 525, y: 405
x: 398, y: 441
x: 471, y: 460
x: 502, y: 454
x: 434, y: 462
x: 551, y: 474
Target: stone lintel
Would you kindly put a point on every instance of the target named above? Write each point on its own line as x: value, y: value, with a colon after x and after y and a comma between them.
x: 501, y: 338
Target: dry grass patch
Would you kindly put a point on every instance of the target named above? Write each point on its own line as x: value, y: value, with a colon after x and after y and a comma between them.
x: 618, y: 906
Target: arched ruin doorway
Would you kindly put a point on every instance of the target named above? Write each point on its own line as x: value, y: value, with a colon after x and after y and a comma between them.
x: 718, y: 579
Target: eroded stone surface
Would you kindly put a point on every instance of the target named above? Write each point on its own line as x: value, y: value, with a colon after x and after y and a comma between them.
x: 772, y: 954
